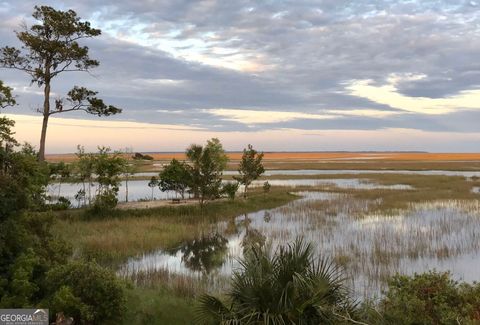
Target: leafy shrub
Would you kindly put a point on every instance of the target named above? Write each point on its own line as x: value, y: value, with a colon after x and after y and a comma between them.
x: 87, y: 292
x: 62, y: 204
x: 290, y: 287
x: 230, y: 189
x: 430, y: 298
x: 266, y: 187
x: 27, y: 251
x: 104, y: 203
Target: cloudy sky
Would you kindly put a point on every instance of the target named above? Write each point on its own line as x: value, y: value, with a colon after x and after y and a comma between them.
x: 283, y: 75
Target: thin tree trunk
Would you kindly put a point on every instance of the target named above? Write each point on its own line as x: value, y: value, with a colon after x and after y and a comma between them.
x: 43, y: 136
x: 126, y: 189
x: 84, y: 194
x: 46, y: 112
x: 90, y: 190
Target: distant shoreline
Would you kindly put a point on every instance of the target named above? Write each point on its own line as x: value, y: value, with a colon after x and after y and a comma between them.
x: 316, y: 156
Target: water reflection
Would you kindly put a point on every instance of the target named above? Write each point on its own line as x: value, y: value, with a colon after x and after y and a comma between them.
x: 139, y: 189
x: 203, y: 254
x: 371, y: 246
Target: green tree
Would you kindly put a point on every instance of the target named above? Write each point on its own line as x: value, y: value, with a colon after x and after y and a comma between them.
x: 34, y: 267
x: 7, y: 140
x: 175, y: 177
x: 290, y: 287
x: 230, y: 189
x: 207, y: 165
x: 152, y: 184
x: 85, y: 167
x: 128, y: 171
x: 50, y: 48
x: 60, y: 172
x: 107, y: 167
x: 251, y: 167
x: 27, y: 248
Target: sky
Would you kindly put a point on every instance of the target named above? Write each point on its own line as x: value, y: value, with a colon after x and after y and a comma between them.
x: 299, y: 75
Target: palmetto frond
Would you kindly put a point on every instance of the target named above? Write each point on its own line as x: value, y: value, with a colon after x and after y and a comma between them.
x: 291, y: 286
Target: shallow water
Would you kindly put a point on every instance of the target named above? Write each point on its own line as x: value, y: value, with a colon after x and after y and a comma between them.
x: 139, y: 189
x: 354, y: 183
x: 371, y: 246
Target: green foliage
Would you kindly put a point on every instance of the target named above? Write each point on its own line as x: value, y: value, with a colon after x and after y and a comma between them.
x: 27, y: 251
x: 62, y: 204
x: 104, y: 202
x: 430, y: 298
x: 251, y: 167
x: 22, y: 178
x: 27, y: 247
x: 51, y: 46
x: 107, y: 167
x: 207, y: 165
x: 175, y: 177
x: 230, y: 189
x: 290, y: 287
x: 34, y: 268
x: 266, y: 187
x: 83, y: 99
x: 6, y: 134
x: 87, y: 292
x: 152, y: 184
x: 60, y: 171
x: 84, y: 173
x: 6, y: 97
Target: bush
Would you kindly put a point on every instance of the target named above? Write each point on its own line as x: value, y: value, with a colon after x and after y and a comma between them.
x: 27, y: 251
x: 87, y: 292
x: 230, y: 190
x: 266, y: 187
x: 430, y: 298
x: 62, y: 204
x: 104, y: 203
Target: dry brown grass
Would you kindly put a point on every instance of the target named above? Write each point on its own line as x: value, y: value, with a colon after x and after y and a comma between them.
x: 320, y: 156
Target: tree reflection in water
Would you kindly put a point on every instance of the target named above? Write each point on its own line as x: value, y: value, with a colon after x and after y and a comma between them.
x: 252, y: 237
x: 203, y: 254
x: 209, y: 252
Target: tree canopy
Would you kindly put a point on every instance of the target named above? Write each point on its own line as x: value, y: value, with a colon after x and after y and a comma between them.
x: 207, y: 164
x: 50, y: 48
x: 251, y: 167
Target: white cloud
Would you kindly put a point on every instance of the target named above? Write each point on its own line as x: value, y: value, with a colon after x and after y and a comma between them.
x: 389, y: 95
x: 264, y: 117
